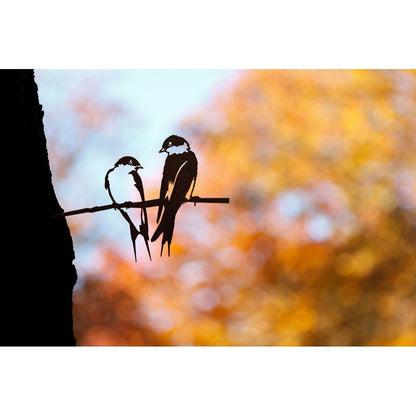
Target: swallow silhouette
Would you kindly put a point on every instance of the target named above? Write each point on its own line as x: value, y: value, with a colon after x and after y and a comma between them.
x: 125, y: 163
x: 180, y: 170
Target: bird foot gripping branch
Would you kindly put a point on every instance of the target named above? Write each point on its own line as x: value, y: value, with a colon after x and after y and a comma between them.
x: 181, y: 168
x: 195, y: 200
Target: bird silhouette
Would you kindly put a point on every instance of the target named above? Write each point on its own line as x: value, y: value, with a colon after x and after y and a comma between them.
x: 130, y: 165
x: 179, y: 177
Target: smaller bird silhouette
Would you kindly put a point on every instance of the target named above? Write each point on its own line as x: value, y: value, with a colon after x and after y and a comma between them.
x: 130, y: 165
x: 180, y: 170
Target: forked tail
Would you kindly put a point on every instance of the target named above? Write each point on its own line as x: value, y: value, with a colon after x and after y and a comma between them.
x: 165, y: 227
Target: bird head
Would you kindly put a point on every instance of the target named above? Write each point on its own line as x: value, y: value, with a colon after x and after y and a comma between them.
x: 129, y: 161
x: 174, y: 144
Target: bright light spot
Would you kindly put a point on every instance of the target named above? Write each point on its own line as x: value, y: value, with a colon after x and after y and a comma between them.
x: 160, y: 320
x: 206, y: 299
x: 319, y: 228
x: 291, y: 204
x: 230, y: 257
x: 192, y: 273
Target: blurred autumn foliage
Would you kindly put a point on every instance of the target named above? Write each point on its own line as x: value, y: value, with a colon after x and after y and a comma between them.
x: 318, y: 244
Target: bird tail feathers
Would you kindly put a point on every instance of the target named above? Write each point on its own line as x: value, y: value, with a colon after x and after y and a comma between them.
x: 165, y: 226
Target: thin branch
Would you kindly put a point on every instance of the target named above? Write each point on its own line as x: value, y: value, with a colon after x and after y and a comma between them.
x: 150, y: 203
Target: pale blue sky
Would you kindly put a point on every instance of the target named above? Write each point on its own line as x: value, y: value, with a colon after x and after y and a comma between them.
x: 158, y: 99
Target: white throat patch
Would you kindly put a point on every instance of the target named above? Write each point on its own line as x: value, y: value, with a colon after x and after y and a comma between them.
x: 175, y: 150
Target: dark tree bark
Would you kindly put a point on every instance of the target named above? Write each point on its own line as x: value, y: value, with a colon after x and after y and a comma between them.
x: 37, y: 271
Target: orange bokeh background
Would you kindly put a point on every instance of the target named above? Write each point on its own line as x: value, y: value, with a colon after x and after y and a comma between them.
x: 317, y: 246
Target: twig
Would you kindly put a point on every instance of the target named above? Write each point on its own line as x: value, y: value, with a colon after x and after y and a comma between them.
x: 150, y: 203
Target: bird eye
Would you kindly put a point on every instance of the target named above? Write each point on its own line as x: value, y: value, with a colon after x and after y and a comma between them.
x: 170, y: 144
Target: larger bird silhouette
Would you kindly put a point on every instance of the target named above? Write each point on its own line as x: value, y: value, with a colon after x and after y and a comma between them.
x: 179, y: 177
x: 130, y: 165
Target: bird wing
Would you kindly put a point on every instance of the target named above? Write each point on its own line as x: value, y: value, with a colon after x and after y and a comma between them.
x: 133, y: 230
x: 184, y: 179
x: 107, y: 183
x: 168, y: 177
x: 194, y: 164
x: 108, y: 188
x: 144, y: 226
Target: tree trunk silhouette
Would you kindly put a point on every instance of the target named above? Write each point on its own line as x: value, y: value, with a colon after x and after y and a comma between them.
x: 37, y: 271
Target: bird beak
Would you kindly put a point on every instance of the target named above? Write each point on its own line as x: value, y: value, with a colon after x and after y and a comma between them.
x: 162, y: 150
